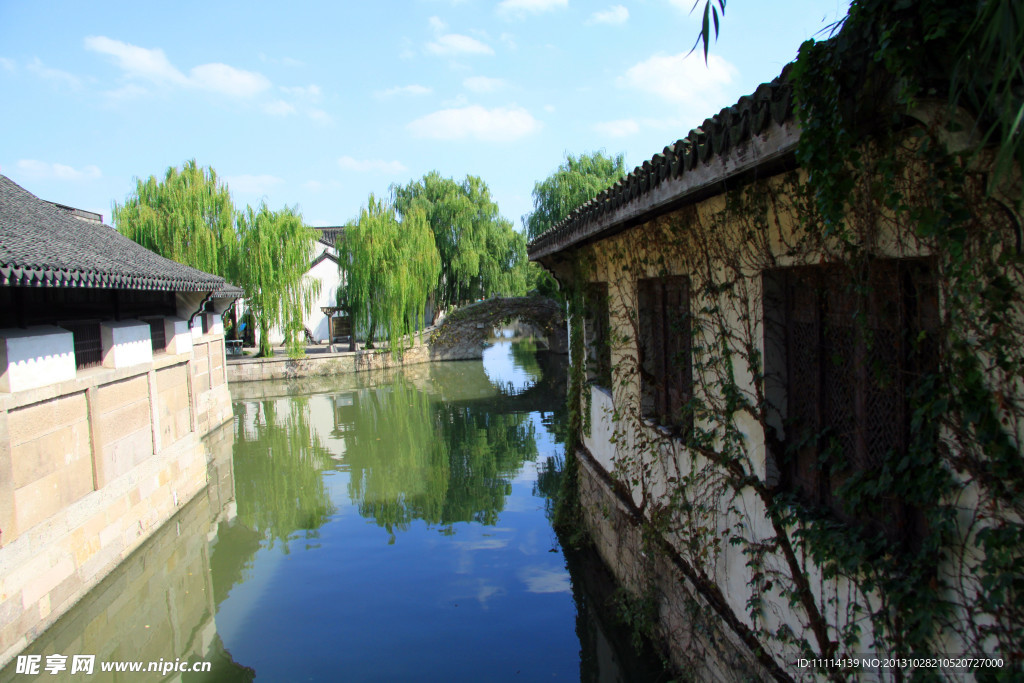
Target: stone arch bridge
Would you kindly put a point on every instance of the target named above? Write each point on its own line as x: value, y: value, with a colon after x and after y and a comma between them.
x: 466, y: 328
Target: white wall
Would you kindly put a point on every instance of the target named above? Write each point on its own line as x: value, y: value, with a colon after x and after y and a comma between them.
x: 326, y: 271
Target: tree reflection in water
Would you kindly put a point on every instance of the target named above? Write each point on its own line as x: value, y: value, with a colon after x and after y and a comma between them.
x: 411, y: 457
x: 279, y: 461
x: 442, y: 446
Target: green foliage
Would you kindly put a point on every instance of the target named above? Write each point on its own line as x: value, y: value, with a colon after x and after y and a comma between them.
x: 713, y: 9
x: 278, y: 471
x: 481, y: 254
x: 411, y: 457
x: 568, y: 513
x: 970, y: 54
x: 576, y: 181
x: 277, y: 246
x: 390, y: 268
x: 187, y: 217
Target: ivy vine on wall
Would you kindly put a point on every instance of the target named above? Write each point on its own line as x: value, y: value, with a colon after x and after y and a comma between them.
x: 908, y: 194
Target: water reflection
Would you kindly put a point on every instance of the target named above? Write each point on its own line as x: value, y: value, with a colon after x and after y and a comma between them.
x: 370, y: 527
x: 278, y: 463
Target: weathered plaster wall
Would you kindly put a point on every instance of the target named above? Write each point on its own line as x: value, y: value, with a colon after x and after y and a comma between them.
x: 89, y: 468
x: 699, y: 642
x: 624, y: 450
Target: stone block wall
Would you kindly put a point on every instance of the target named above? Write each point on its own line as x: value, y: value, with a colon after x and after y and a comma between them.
x: 89, y: 468
x: 258, y: 369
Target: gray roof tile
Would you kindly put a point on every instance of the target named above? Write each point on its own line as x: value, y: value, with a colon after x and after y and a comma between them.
x: 685, y: 168
x: 42, y: 245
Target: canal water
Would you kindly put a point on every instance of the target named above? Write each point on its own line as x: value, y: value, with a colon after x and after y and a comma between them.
x: 385, y: 527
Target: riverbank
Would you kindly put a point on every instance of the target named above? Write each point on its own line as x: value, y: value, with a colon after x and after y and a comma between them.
x: 461, y: 336
x: 320, y: 361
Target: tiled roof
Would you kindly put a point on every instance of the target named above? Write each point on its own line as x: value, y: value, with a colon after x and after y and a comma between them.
x: 754, y: 133
x: 329, y: 234
x: 42, y: 245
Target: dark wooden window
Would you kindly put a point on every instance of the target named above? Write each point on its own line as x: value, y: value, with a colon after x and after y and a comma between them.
x: 157, y: 335
x: 596, y: 333
x: 88, y: 342
x: 854, y: 348
x: 666, y: 380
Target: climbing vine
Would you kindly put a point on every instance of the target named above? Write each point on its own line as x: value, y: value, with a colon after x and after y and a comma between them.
x: 894, y: 168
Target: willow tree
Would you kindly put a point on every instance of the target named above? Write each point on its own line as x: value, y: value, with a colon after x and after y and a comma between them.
x: 390, y: 267
x: 576, y: 181
x: 187, y: 217
x: 479, y: 250
x: 277, y: 245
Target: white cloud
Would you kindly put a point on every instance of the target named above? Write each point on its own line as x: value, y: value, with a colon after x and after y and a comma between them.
x: 252, y: 184
x: 47, y: 171
x: 520, y: 8
x: 151, y: 64
x: 139, y: 62
x: 311, y: 91
x: 7, y: 64
x: 314, y: 185
x: 616, y: 14
x: 682, y: 78
x: 228, y: 80
x: 617, y: 129
x: 483, y: 84
x: 371, y: 165
x: 502, y: 124
x: 436, y: 25
x: 457, y: 44
x: 278, y: 108
x: 545, y: 580
x: 404, y: 90
x: 54, y: 75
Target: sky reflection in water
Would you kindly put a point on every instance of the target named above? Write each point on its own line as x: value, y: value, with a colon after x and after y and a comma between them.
x: 448, y: 570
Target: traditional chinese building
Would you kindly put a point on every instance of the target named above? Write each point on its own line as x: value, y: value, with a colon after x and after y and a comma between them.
x: 768, y: 451
x: 112, y: 370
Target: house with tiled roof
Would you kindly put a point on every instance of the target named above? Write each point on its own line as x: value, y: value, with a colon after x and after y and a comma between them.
x: 112, y: 371
x: 751, y: 384
x: 323, y: 266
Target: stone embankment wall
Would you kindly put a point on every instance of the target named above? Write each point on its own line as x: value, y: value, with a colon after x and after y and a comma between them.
x: 159, y: 602
x: 324, y: 364
x: 89, y: 468
x: 698, y: 641
x: 461, y: 336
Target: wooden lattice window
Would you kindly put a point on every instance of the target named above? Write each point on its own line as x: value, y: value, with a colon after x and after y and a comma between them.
x: 855, y: 348
x: 666, y: 380
x: 88, y: 342
x: 597, y: 335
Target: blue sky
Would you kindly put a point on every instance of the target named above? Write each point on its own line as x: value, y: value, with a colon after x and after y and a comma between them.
x: 321, y: 103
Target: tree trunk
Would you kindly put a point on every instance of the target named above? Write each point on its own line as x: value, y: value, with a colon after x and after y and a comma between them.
x: 265, y: 349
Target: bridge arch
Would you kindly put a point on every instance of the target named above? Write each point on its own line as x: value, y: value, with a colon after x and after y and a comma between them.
x: 471, y: 325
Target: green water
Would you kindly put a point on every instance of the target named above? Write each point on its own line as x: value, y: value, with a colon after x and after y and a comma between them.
x: 369, y: 528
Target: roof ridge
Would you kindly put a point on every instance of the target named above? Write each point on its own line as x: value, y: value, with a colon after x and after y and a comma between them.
x: 752, y: 115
